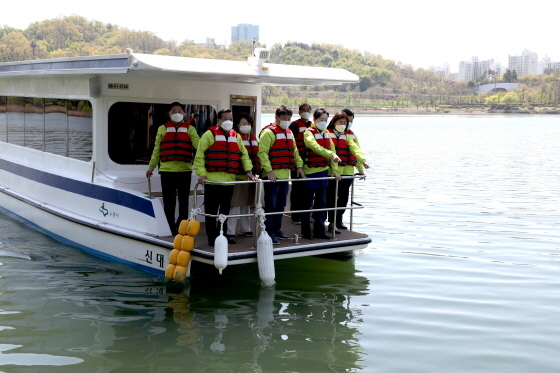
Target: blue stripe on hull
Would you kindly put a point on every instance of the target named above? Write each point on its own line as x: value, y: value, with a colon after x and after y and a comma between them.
x: 80, y: 246
x: 90, y: 190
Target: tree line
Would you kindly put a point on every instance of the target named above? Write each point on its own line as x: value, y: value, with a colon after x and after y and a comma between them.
x: 382, y: 81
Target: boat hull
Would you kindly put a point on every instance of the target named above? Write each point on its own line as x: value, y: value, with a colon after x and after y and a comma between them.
x: 115, y: 246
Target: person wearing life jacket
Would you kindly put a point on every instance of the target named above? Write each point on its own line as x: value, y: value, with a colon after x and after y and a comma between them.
x: 174, y: 148
x: 351, y: 156
x: 220, y: 157
x: 244, y: 194
x: 320, y: 158
x: 297, y: 127
x: 350, y: 132
x: 278, y: 155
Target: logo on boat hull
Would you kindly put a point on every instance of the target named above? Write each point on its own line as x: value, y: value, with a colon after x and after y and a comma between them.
x: 103, y: 210
x: 106, y: 212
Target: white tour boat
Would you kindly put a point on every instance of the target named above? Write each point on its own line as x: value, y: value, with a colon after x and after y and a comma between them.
x: 76, y: 136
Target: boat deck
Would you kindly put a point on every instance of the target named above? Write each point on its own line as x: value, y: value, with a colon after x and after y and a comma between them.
x: 245, y: 247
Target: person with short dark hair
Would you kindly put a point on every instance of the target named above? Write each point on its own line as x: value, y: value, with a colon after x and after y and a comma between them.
x: 174, y: 148
x: 350, y: 156
x: 297, y: 127
x: 320, y: 159
x: 220, y: 156
x: 278, y: 155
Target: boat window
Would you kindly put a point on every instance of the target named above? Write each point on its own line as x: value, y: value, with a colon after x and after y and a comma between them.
x: 133, y: 127
x: 79, y: 129
x: 58, y: 126
x: 3, y: 120
x: 34, y: 123
x: 15, y: 107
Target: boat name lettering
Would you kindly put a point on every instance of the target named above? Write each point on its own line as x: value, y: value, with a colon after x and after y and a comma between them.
x: 159, y: 258
x: 118, y: 86
x: 152, y: 290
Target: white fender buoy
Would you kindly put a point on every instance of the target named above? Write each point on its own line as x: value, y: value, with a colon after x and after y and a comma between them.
x: 265, y: 259
x: 220, y: 253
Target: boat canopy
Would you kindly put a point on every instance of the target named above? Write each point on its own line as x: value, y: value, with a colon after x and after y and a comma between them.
x: 137, y: 64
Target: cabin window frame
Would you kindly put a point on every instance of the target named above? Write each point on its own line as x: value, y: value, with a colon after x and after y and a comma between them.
x: 117, y: 136
x: 28, y: 127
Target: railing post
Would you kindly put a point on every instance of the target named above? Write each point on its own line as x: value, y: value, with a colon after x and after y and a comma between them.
x: 93, y: 172
x: 258, y: 185
x: 351, y: 204
x: 335, y: 210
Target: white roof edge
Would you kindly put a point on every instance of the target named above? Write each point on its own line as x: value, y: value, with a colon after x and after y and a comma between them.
x: 196, y: 68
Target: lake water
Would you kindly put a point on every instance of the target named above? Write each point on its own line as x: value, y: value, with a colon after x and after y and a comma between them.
x: 462, y: 275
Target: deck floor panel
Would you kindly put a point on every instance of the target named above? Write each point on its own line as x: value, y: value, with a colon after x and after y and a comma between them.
x: 248, y: 244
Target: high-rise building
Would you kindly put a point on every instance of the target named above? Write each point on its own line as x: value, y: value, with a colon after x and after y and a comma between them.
x: 471, y: 70
x: 525, y: 64
x: 244, y: 31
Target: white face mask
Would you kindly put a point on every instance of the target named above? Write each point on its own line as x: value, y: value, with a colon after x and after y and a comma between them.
x: 321, y: 125
x: 340, y: 128
x: 349, y: 125
x: 245, y: 129
x: 305, y: 116
x: 177, y: 117
x: 285, y: 124
x: 227, y: 125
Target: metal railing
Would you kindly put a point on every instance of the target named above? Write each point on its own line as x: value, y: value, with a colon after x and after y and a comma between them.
x: 258, y: 198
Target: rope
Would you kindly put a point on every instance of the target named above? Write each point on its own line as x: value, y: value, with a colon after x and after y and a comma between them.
x: 259, y: 213
x: 221, y: 219
x: 194, y: 213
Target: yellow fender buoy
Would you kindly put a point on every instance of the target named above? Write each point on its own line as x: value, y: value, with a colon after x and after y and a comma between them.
x: 183, y: 227
x: 180, y: 273
x: 177, y: 241
x: 169, y: 271
x: 173, y: 256
x: 187, y: 244
x: 193, y: 227
x: 183, y: 258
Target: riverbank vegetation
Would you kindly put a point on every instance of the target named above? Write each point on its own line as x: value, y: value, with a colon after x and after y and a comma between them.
x: 385, y: 85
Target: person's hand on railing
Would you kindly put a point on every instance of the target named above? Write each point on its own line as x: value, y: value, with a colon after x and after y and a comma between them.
x: 336, y: 176
x: 271, y: 176
x: 362, y: 173
x: 149, y: 173
x: 251, y: 177
x: 300, y: 173
x: 201, y: 179
x: 335, y: 158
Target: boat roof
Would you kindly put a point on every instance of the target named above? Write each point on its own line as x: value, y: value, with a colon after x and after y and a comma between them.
x: 137, y: 64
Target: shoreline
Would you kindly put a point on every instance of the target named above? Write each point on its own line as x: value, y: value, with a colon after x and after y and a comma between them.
x: 271, y: 109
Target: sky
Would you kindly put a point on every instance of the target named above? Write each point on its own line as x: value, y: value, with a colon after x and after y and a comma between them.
x: 419, y: 33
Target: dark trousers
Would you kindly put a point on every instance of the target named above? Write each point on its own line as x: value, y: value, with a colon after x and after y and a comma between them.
x: 316, y: 198
x: 275, y: 196
x: 217, y: 200
x: 175, y: 184
x: 296, y: 196
x: 343, y: 194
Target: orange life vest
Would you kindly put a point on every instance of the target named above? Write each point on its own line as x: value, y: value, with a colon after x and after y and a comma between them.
x: 224, y: 155
x: 176, y: 144
x: 252, y: 147
x: 313, y: 159
x: 281, y: 153
x: 342, y: 149
x: 302, y: 126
